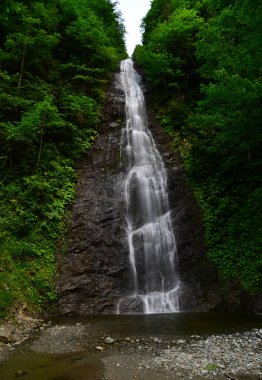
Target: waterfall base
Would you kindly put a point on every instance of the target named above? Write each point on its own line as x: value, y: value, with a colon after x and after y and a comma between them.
x: 150, y: 303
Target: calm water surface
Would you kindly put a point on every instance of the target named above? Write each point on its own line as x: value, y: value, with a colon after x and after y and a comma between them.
x: 173, y: 324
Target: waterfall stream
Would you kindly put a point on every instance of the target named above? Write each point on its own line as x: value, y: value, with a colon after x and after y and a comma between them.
x: 152, y: 246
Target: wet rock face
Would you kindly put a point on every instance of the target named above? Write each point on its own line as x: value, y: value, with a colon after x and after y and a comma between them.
x: 93, y: 273
x: 131, y: 304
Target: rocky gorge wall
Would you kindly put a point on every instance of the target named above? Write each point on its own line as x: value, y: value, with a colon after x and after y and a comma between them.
x: 93, y: 274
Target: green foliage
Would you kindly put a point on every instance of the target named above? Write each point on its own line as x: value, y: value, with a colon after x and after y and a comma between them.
x: 211, y: 367
x: 207, y: 91
x: 56, y: 59
x: 170, y: 30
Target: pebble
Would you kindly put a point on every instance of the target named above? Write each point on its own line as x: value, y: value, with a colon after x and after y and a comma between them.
x: 100, y: 348
x: 113, y: 125
x: 109, y: 340
x: 214, y: 356
x: 19, y: 373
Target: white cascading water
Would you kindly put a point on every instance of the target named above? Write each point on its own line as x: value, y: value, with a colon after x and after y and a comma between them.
x: 152, y: 246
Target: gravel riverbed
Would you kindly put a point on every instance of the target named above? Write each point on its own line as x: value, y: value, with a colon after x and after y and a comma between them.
x: 234, y: 356
x: 231, y: 356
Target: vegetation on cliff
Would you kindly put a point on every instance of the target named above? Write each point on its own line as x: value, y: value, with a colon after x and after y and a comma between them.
x: 56, y: 57
x: 202, y: 61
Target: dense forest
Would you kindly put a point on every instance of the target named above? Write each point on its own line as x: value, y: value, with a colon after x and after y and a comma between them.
x: 56, y: 58
x: 202, y: 62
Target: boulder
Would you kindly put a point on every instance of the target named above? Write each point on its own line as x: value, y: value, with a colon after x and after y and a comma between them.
x: 7, y: 333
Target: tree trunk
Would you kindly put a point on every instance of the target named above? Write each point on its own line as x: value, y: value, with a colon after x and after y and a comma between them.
x: 23, y: 59
x: 41, y: 142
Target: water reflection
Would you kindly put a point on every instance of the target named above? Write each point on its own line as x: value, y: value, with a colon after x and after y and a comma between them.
x: 170, y: 324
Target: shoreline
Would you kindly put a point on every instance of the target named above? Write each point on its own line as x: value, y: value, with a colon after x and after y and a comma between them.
x: 134, y: 356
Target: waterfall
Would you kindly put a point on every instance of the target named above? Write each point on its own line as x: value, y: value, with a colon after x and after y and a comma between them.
x: 152, y: 246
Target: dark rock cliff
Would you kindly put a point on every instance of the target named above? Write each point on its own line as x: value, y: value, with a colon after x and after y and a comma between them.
x: 93, y: 274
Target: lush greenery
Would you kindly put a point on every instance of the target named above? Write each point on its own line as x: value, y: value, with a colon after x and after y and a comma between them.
x: 202, y: 60
x: 56, y: 57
